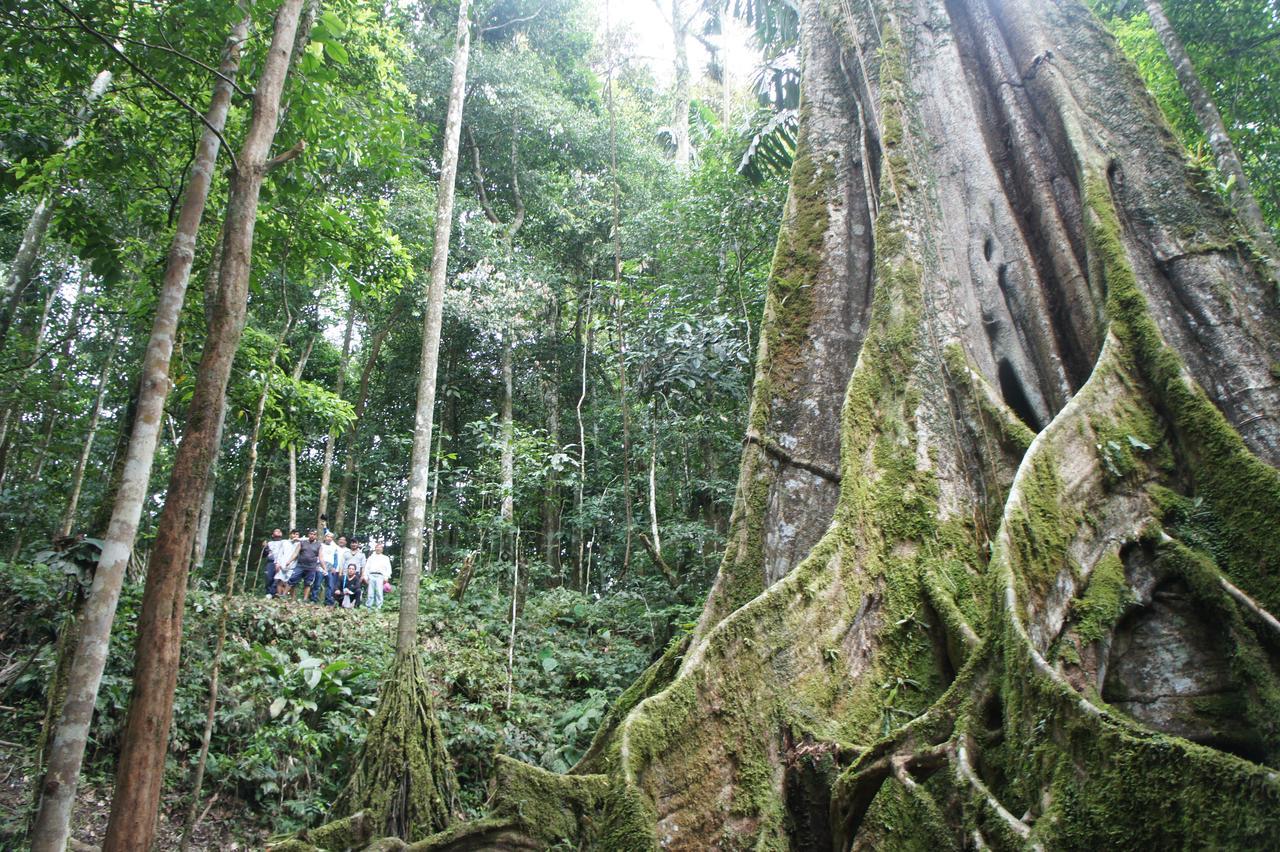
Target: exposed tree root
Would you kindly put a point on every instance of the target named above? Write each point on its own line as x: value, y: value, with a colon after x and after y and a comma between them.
x: 1076, y: 624
x: 403, y: 785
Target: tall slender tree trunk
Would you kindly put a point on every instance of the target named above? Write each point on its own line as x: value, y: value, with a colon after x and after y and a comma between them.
x: 433, y: 519
x: 507, y: 437
x: 551, y: 489
x: 293, y: 447
x: 623, y: 402
x: 362, y: 400
x: 420, y: 458
x: 141, y: 765
x: 242, y: 521
x: 680, y: 20
x: 1211, y: 124
x: 586, y: 337
x: 326, y: 470
x: 404, y: 749
x: 77, y: 479
x: 204, y: 521
x: 52, y: 826
x: 24, y: 264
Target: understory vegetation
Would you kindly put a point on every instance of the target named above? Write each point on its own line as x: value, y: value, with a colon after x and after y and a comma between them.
x: 302, y: 682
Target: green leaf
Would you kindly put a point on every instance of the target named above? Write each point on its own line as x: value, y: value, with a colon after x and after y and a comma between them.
x: 337, y: 53
x: 333, y: 23
x: 277, y: 706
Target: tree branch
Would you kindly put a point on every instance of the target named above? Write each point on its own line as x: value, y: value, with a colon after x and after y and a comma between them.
x: 512, y: 22
x: 115, y: 48
x: 479, y: 176
x: 280, y: 159
x: 178, y: 53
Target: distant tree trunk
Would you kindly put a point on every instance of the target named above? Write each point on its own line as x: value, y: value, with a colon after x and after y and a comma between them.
x: 586, y: 337
x: 653, y: 541
x: 327, y: 469
x: 681, y: 18
x: 77, y: 479
x: 141, y: 764
x: 551, y: 401
x: 1004, y: 533
x: 23, y: 267
x: 293, y: 487
x: 1211, y: 124
x: 403, y: 783
x: 506, y: 429
x: 623, y: 403
x: 362, y: 399
x: 251, y: 464
x: 293, y: 447
x: 52, y: 826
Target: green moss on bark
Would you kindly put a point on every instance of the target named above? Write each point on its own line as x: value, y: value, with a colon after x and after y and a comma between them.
x: 404, y: 781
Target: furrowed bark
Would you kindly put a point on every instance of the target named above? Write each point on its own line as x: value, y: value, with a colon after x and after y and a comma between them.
x: 1036, y: 462
x: 51, y: 829
x: 141, y: 764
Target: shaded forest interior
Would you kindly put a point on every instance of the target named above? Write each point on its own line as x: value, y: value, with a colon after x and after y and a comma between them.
x: 790, y: 425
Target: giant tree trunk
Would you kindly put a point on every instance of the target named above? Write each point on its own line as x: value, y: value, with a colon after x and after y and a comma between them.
x: 52, y: 826
x: 1002, y: 567
x: 140, y: 770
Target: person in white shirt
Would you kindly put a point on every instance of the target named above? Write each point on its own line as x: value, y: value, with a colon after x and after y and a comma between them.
x: 285, y: 553
x: 377, y: 570
x: 338, y: 575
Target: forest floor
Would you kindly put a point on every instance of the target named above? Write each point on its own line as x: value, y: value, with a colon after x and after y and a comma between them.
x: 228, y: 825
x: 299, y: 682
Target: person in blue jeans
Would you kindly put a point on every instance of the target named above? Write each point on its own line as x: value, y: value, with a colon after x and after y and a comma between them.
x: 337, y: 572
x: 377, y: 570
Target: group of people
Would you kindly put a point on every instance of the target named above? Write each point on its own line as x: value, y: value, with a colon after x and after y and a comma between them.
x: 335, y: 572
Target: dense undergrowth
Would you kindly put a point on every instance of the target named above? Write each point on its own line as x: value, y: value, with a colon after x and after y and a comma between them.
x: 300, y: 682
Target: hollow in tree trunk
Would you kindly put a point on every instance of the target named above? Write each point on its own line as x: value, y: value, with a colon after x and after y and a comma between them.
x: 1001, y: 571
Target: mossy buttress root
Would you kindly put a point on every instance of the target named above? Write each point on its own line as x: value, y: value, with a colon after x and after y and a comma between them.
x: 403, y: 784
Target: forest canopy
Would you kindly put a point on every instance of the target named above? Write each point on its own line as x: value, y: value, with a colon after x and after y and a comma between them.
x: 535, y: 424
